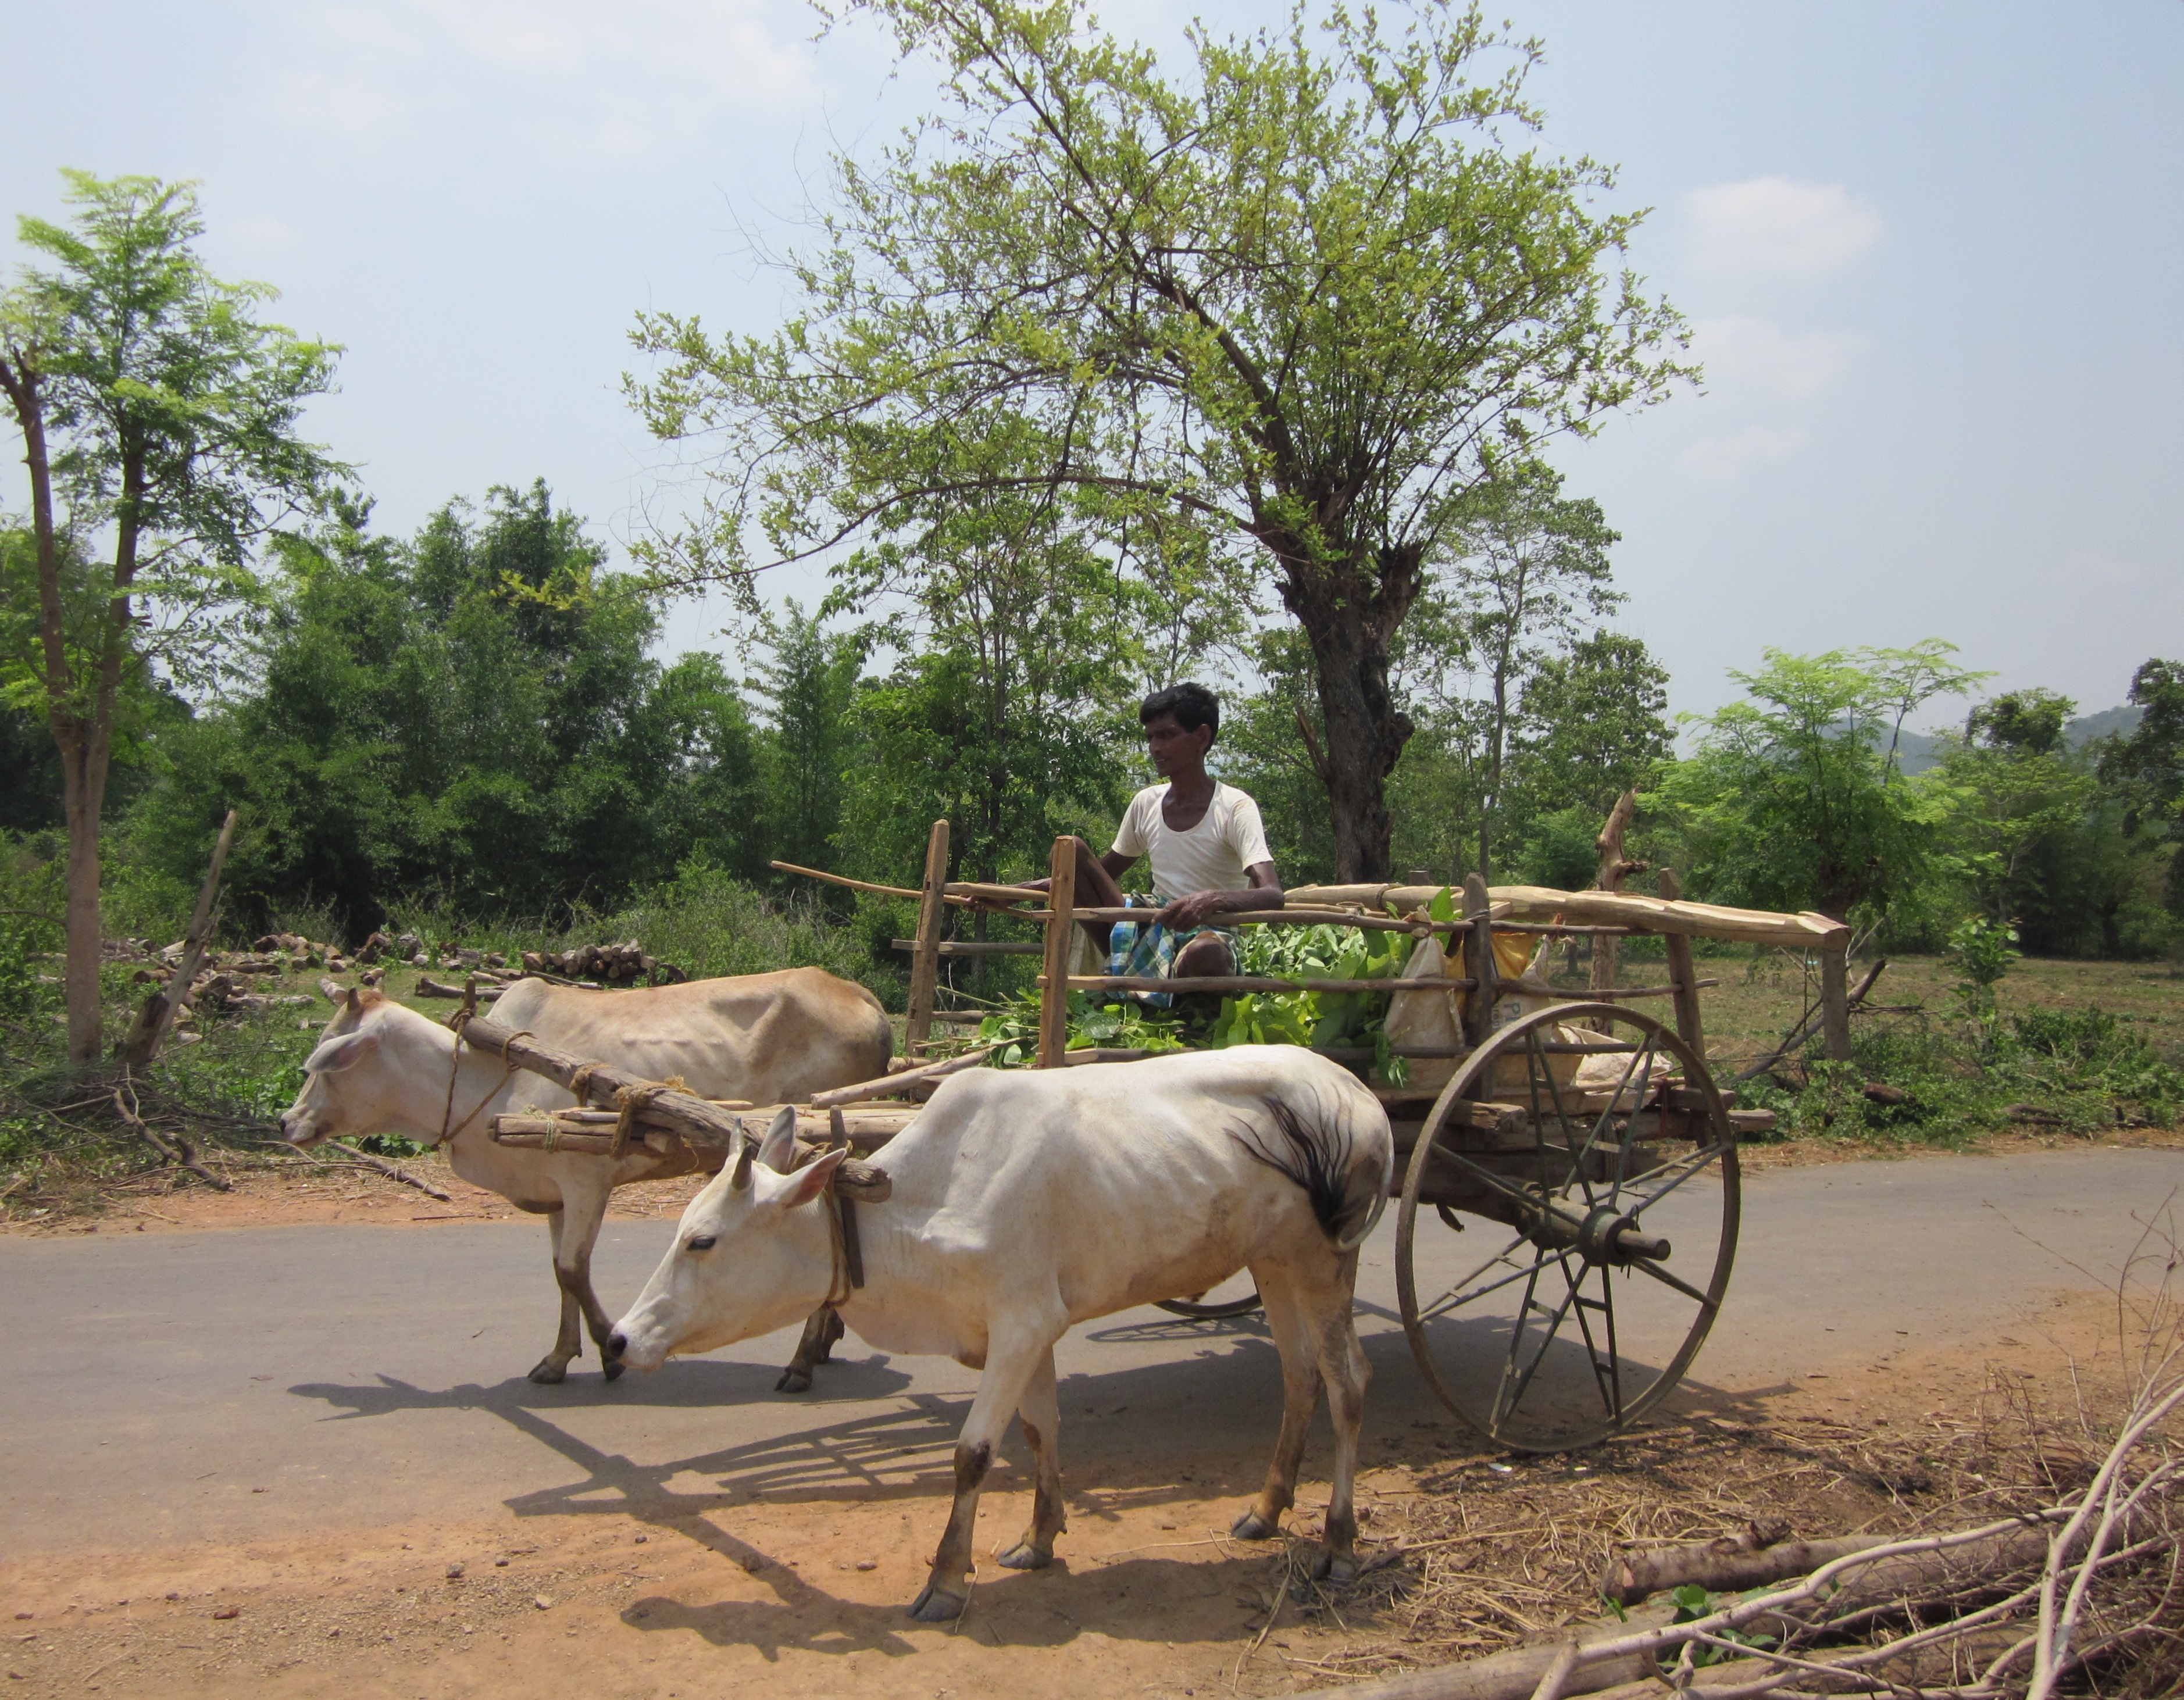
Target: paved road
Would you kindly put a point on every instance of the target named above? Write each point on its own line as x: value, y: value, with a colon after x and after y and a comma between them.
x: 359, y: 1376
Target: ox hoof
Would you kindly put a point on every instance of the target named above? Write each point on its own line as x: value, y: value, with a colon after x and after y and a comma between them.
x: 1023, y: 1556
x: 1338, y: 1569
x: 1251, y: 1526
x: 793, y: 1381
x: 547, y: 1371
x: 934, y: 1606
x: 611, y: 1370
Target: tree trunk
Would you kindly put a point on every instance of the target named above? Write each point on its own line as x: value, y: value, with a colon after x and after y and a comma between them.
x: 1348, y: 618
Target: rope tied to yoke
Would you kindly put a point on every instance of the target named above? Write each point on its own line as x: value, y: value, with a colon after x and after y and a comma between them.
x: 632, y: 1101
x: 454, y: 1072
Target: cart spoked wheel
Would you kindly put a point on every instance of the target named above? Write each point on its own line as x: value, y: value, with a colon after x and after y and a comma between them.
x: 1231, y: 1298
x: 1599, y: 1222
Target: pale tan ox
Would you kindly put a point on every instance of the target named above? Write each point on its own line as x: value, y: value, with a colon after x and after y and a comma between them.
x: 773, y: 1038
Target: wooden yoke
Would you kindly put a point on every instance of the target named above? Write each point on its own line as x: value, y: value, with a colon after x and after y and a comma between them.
x: 925, y: 961
x: 1061, y: 937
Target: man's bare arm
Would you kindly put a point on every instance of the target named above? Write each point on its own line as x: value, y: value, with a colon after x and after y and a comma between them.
x: 1202, y: 907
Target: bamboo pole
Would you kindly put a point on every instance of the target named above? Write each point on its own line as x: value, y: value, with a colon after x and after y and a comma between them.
x: 1061, y: 935
x: 925, y: 964
x: 888, y: 1084
x: 1683, y: 973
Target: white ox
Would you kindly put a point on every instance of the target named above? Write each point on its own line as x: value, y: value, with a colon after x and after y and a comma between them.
x: 1024, y: 1202
x: 382, y: 1068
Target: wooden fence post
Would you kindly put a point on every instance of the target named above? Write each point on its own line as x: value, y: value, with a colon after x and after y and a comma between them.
x: 1614, y: 869
x: 1683, y: 973
x: 925, y: 960
x: 1835, y: 999
x: 1060, y: 936
x: 1478, y: 961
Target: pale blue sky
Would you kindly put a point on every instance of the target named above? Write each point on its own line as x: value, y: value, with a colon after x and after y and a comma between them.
x: 1932, y: 253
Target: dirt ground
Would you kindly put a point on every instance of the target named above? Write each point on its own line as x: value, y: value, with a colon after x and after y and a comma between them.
x: 1469, y: 1550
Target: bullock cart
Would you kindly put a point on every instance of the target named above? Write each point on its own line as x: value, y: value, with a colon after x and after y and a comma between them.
x: 1566, y: 1186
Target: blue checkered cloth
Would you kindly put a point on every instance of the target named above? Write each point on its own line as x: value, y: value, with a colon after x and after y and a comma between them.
x: 1145, y: 949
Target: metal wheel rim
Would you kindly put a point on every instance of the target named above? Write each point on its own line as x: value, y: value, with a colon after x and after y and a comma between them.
x: 1509, y: 1433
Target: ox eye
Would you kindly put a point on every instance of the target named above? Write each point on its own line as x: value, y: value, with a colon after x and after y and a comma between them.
x: 700, y: 1242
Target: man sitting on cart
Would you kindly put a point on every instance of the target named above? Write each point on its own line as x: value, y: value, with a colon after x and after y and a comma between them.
x: 1206, y: 846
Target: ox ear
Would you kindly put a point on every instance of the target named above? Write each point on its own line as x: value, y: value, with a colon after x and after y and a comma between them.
x: 777, y: 1150
x: 345, y: 1052
x: 809, y: 1182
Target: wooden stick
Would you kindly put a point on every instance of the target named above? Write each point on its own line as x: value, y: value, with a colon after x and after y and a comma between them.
x: 984, y: 893
x: 888, y: 1085
x: 149, y: 1030
x: 1479, y: 957
x: 925, y: 965
x: 1515, y: 903
x: 1683, y: 973
x: 1285, y: 917
x: 1252, y: 982
x: 975, y: 947
x: 1835, y: 999
x: 1060, y: 939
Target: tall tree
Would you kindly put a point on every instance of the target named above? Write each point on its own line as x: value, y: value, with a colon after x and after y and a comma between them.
x: 1293, y: 301
x: 806, y: 684
x: 159, y: 413
x: 1530, y: 574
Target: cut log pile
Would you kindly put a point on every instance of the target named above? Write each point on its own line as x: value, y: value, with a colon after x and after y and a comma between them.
x: 609, y: 965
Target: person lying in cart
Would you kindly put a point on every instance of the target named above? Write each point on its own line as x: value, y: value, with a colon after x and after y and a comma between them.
x: 1205, y: 843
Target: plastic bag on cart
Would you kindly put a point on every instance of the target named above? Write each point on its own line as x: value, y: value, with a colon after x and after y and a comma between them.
x: 1433, y: 1020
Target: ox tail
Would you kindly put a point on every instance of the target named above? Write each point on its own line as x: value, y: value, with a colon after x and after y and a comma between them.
x: 1345, y: 1172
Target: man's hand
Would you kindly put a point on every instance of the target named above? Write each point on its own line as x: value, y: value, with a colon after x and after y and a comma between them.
x: 1194, y: 911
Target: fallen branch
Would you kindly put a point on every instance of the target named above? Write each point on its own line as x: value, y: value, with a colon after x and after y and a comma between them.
x: 178, y: 1152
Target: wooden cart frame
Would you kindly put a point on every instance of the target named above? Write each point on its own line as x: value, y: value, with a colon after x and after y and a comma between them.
x: 1574, y: 1134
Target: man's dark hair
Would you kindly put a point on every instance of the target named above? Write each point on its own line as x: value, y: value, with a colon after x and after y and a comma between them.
x: 1192, y: 704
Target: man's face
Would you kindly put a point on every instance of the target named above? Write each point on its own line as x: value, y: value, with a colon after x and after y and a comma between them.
x: 1173, y: 749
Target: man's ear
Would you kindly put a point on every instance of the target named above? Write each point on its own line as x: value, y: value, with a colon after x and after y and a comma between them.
x: 808, y: 1184
x: 345, y: 1052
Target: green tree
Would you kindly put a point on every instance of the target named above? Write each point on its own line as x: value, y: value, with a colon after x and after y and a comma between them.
x: 1591, y: 725
x: 156, y: 411
x: 2016, y: 792
x: 1019, y: 648
x: 2146, y: 767
x: 1294, y: 301
x: 1794, y: 799
x: 471, y: 711
x: 807, y: 684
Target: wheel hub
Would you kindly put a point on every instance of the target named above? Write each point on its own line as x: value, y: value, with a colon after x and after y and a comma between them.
x: 1602, y: 1235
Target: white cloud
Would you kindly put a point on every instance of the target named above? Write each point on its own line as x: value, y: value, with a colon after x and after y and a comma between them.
x: 617, y: 77
x: 1777, y: 227
x: 1717, y: 459
x: 1753, y: 354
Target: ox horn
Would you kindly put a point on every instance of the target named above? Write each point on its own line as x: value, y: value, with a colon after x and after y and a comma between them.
x: 741, y: 1179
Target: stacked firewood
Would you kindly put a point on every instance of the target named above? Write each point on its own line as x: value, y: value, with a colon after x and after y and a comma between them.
x: 609, y: 965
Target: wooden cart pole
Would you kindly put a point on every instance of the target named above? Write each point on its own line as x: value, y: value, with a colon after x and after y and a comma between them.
x: 1053, y: 996
x: 1614, y: 868
x: 1835, y: 997
x: 1683, y: 972
x: 1478, y: 961
x: 925, y: 959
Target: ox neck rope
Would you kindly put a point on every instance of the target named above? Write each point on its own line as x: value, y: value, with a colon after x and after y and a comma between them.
x: 454, y: 1072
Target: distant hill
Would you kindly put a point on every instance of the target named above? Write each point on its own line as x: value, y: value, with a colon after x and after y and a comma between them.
x: 1920, y: 751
